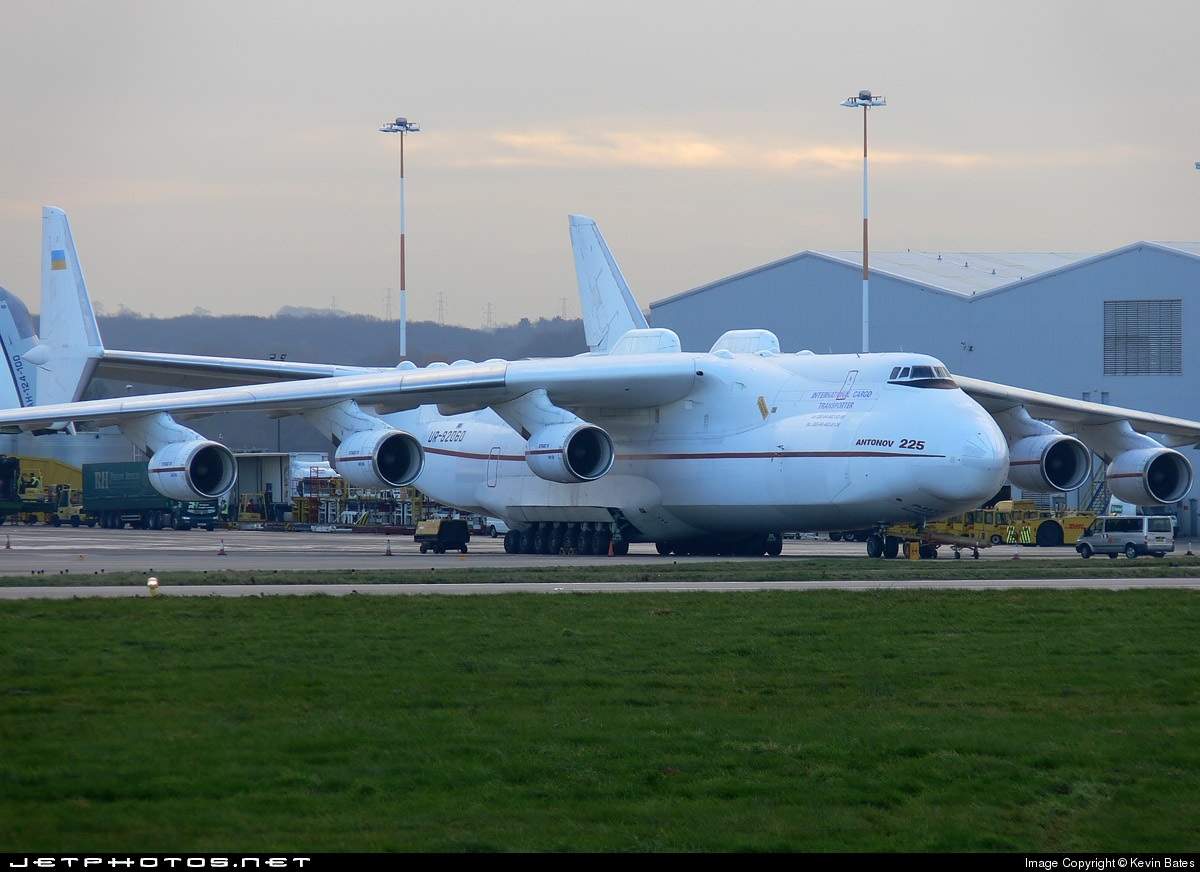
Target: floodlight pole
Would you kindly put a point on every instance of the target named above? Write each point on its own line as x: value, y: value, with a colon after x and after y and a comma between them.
x: 866, y: 100
x: 402, y: 126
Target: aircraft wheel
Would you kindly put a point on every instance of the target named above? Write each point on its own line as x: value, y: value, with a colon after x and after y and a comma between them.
x: 1049, y: 535
x: 570, y: 543
x: 541, y: 540
x: 509, y: 545
x: 891, y: 547
x: 557, y: 537
x: 529, y: 540
x: 874, y: 546
x: 586, y: 541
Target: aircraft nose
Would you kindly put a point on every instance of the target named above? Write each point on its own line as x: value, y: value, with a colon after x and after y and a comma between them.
x: 976, y: 464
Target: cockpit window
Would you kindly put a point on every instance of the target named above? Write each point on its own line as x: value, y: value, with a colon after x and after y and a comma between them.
x: 922, y: 376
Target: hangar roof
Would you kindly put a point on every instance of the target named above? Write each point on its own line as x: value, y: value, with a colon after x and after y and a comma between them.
x: 964, y: 273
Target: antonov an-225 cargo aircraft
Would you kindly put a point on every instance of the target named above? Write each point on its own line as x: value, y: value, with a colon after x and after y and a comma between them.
x: 635, y: 441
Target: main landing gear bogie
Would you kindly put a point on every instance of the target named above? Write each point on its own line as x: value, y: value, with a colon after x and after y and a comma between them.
x: 565, y: 538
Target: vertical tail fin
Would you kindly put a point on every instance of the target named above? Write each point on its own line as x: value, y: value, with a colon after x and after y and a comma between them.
x: 609, y: 309
x: 71, y: 342
x: 18, y: 377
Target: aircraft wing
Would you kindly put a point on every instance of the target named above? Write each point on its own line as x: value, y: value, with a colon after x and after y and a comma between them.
x: 997, y: 397
x: 199, y: 371
x: 633, y: 381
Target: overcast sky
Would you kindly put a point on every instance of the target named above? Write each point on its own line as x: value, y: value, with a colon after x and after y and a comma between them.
x: 225, y: 154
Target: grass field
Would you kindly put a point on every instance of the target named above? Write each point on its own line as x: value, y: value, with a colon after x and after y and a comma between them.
x: 1019, y: 720
x: 788, y: 569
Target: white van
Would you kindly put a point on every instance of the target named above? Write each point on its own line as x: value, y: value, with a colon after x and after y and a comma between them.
x: 1131, y: 536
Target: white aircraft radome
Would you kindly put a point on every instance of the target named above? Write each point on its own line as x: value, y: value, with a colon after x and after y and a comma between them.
x: 638, y: 440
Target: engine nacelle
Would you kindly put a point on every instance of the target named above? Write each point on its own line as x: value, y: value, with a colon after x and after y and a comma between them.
x: 1146, y: 476
x: 572, y: 452
x: 1048, y: 463
x: 196, y: 470
x: 379, y: 458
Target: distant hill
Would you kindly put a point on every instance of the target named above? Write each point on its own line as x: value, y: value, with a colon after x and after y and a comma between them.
x: 320, y: 336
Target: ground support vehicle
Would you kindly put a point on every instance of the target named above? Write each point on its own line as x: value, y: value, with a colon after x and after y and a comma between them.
x: 440, y: 535
x: 116, y: 494
x: 1129, y: 535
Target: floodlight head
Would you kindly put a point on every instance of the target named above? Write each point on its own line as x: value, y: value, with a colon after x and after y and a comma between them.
x: 400, y: 125
x: 865, y: 99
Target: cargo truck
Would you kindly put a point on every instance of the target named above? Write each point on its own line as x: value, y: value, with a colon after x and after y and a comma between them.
x: 117, y: 494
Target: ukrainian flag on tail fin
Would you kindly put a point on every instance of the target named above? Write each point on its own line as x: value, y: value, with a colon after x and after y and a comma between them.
x: 70, y: 339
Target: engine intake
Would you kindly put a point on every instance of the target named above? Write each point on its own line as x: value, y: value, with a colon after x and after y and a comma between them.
x: 196, y: 470
x: 1048, y: 464
x: 1147, y: 476
x: 570, y: 453
x: 379, y: 458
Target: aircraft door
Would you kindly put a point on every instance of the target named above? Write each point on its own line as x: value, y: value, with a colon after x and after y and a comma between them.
x: 493, y: 466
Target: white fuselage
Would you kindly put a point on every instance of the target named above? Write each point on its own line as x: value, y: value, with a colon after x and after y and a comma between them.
x: 760, y: 443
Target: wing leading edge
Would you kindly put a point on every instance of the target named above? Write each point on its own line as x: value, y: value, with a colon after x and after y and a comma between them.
x: 997, y: 397
x: 636, y: 381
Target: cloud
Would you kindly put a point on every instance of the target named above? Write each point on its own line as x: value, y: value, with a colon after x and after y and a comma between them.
x: 583, y: 148
x: 668, y: 149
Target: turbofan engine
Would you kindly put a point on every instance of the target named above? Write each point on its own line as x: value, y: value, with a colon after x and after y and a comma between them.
x: 1146, y: 476
x: 1045, y: 464
x: 196, y: 470
x: 570, y: 453
x: 379, y: 458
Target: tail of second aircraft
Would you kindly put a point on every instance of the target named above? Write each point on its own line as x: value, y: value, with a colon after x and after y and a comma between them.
x: 70, y: 340
x: 609, y: 309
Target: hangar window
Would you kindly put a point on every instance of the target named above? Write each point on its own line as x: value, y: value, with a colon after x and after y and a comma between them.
x: 1143, y: 337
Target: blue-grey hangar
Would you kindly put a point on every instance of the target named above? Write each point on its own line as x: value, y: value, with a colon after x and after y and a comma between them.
x: 1110, y: 328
